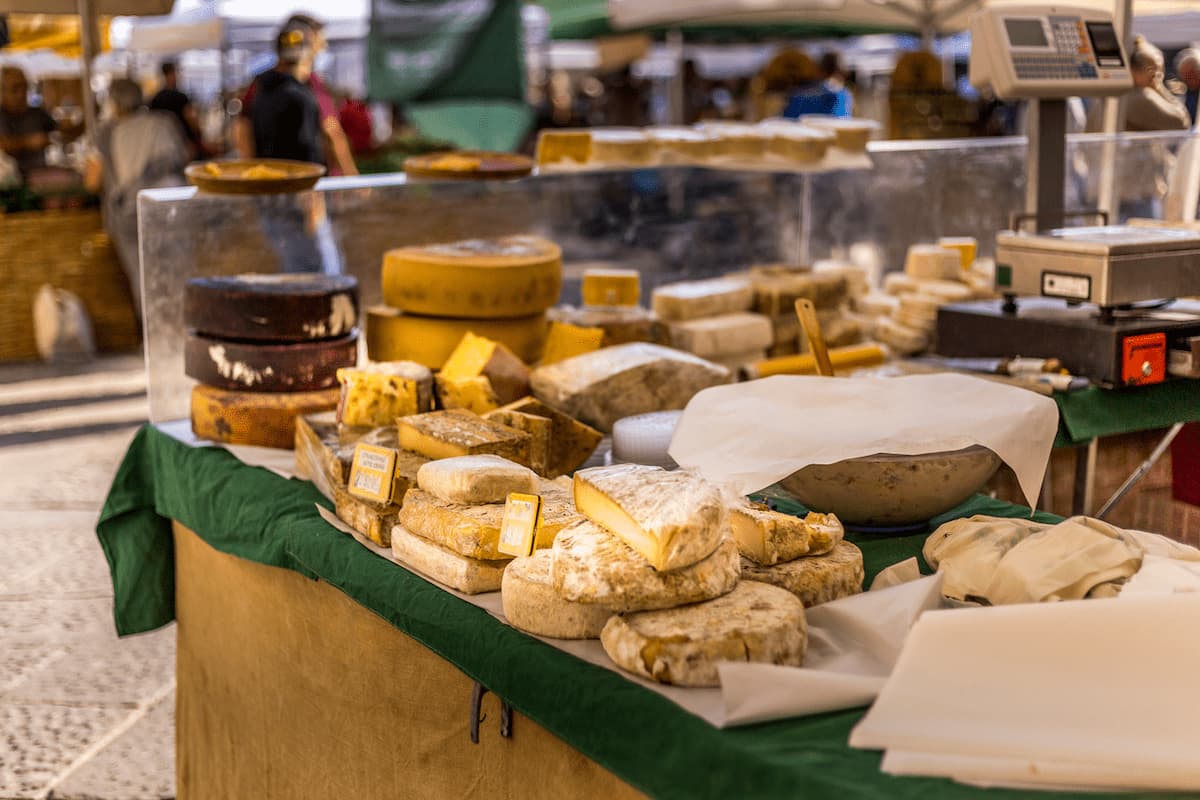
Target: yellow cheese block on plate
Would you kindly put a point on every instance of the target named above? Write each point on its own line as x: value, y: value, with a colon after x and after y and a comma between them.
x: 515, y: 276
x: 612, y: 287
x: 395, y: 336
x: 262, y: 419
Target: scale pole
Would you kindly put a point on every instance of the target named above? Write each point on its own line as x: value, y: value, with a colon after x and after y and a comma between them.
x: 1046, y: 162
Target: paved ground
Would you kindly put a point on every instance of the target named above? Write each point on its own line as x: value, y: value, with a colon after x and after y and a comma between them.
x: 82, y: 713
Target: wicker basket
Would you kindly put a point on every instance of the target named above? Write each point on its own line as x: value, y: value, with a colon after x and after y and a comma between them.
x: 68, y: 250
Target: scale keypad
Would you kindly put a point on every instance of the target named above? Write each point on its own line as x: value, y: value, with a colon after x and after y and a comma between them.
x: 1072, y: 56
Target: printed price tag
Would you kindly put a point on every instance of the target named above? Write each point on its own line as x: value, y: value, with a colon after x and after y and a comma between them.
x: 372, y: 473
x: 518, y: 530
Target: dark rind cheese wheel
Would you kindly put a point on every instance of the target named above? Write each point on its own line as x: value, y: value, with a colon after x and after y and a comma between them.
x: 259, y: 367
x: 272, y: 307
x: 265, y: 420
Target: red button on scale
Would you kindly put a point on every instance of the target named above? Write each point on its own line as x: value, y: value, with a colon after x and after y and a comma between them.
x: 1144, y: 359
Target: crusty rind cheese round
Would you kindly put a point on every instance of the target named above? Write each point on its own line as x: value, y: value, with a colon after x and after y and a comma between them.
x: 516, y: 276
x: 272, y: 307
x: 395, y: 336
x: 255, y: 418
x: 304, y: 366
x: 814, y: 579
x: 591, y: 565
x: 682, y: 646
x: 532, y: 605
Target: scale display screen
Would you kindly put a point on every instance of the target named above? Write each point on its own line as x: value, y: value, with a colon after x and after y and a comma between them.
x: 1105, y: 44
x: 1025, y: 32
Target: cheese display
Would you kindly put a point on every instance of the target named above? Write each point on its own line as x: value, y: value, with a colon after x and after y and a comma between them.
x: 272, y: 307
x: 263, y: 419
x: 395, y: 336
x: 755, y: 622
x: 467, y: 575
x: 554, y: 146
x: 601, y: 387
x: 474, y: 530
x: 966, y: 246
x: 268, y: 367
x: 372, y: 520
x: 475, y: 479
x: 567, y: 341
x: 571, y: 441
x: 515, y: 276
x: 532, y: 605
x: 769, y: 537
x: 927, y: 261
x: 898, y: 283
x: 376, y: 394
x: 541, y: 437
x: 676, y: 302
x: 672, y: 519
x: 474, y: 394
x: 814, y: 579
x: 622, y: 147
x: 724, y: 335
x: 446, y: 434
x: 611, y: 287
x: 324, y: 450
x: 477, y: 356
x: 621, y: 324
x: 776, y: 289
x: 390, y: 470
x: 679, y: 145
x: 590, y: 565
x: 850, y: 133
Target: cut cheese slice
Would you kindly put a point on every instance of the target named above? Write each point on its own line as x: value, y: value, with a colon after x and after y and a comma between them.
x: 541, y: 432
x: 621, y: 324
x: 393, y: 336
x: 372, y: 520
x: 555, y: 146
x: 478, y: 356
x: 723, y: 335
x: 602, y: 387
x: 755, y: 622
x: 814, y: 579
x: 265, y: 420
x: 592, y: 566
x: 446, y: 434
x: 467, y: 575
x: 475, y: 479
x: 611, y: 287
x: 515, y: 276
x: 472, y: 394
x: 567, y: 341
x: 474, y: 530
x: 532, y: 605
x: 324, y: 450
x: 769, y: 537
x: 927, y: 261
x: 376, y: 394
x: 686, y: 300
x: 571, y: 441
x: 672, y: 519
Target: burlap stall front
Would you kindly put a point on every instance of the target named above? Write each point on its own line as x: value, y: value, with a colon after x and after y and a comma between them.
x: 289, y: 689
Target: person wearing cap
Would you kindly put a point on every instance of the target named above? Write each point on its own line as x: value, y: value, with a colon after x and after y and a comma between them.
x: 285, y: 116
x: 24, y: 130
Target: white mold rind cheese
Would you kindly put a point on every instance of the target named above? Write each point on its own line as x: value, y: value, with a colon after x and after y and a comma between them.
x: 683, y: 646
x: 769, y: 537
x: 475, y: 479
x: 467, y: 575
x: 814, y: 579
x: 532, y: 605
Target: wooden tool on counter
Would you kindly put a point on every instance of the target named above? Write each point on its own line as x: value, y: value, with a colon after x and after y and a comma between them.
x: 807, y: 313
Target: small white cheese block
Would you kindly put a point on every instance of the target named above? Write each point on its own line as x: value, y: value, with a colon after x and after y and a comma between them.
x: 590, y: 565
x: 672, y: 519
x: 686, y: 300
x: 932, y: 261
x: 467, y: 575
x: 475, y: 479
x: 895, y: 283
x: 682, y: 646
x: 645, y: 438
x: 914, y: 320
x: 899, y: 337
x: 922, y: 305
x: 877, y: 304
x: 768, y: 537
x: 814, y: 579
x: 946, y: 291
x: 713, y: 337
x: 532, y: 605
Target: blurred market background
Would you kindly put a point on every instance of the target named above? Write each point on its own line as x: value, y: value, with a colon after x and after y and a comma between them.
x: 85, y: 716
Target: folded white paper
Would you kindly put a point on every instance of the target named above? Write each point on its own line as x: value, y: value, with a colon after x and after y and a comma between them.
x: 750, y: 435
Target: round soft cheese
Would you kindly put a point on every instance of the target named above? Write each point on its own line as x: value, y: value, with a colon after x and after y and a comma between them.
x: 532, y: 605
x: 814, y: 579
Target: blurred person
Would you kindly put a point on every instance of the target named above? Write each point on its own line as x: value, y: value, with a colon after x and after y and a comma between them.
x: 1187, y: 67
x: 1149, y: 106
x: 833, y: 78
x: 24, y: 130
x: 135, y: 149
x: 285, y: 116
x: 355, y: 118
x: 339, y: 158
x: 171, y: 100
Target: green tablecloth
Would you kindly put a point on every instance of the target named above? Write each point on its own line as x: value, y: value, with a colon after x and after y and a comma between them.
x: 1095, y: 412
x: 637, y: 734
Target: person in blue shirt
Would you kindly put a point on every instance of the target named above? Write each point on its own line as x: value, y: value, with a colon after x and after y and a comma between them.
x: 833, y: 77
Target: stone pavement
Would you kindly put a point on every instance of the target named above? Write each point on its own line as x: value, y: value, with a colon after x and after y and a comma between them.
x: 83, y: 714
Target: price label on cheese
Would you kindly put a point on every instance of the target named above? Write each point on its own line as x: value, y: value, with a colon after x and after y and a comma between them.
x: 372, y: 473
x: 518, y: 530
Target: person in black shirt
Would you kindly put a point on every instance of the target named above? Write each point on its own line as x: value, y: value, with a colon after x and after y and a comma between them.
x: 285, y: 115
x: 179, y: 105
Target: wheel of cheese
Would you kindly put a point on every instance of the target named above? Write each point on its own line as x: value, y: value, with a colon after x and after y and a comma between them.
x: 259, y: 367
x: 897, y: 283
x: 272, y: 307
x: 756, y: 622
x: 263, y: 419
x: 814, y: 579
x: 516, y: 276
x: 921, y: 306
x: 876, y: 304
x: 396, y: 336
x: 901, y: 338
x: 947, y: 291
x: 532, y: 605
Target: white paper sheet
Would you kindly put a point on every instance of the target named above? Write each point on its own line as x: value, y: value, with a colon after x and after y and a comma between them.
x: 1095, y: 693
x: 748, y: 436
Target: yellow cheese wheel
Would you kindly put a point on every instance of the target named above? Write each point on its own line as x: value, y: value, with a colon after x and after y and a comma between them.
x: 396, y: 336
x: 554, y: 146
x: 265, y: 419
x: 515, y: 276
